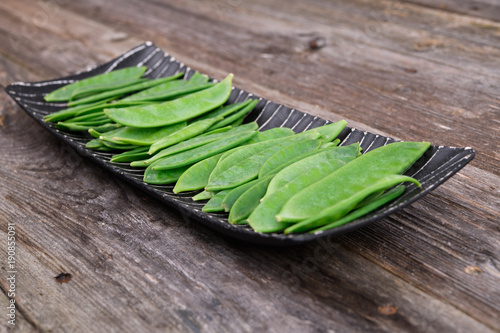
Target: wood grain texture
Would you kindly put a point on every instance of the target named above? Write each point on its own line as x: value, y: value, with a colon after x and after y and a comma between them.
x: 394, y: 68
x: 488, y: 9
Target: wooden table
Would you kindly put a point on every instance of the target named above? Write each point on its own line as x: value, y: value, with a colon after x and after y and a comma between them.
x: 416, y: 70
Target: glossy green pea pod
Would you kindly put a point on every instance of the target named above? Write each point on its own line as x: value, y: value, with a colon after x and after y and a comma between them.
x: 197, y: 77
x: 89, y: 92
x: 268, y: 135
x: 177, y: 110
x: 194, y: 155
x: 185, y: 133
x: 244, y: 165
x: 70, y: 112
x: 142, y: 136
x: 391, y: 159
x: 263, y: 217
x: 86, y: 117
x: 235, y: 193
x: 203, y: 195
x: 162, y: 177
x: 224, y: 111
x: 214, y: 204
x: 247, y: 202
x: 75, y: 127
x: 302, y: 167
x: 141, y: 85
x: 234, y: 117
x: 196, y: 177
x: 168, y: 90
x: 118, y: 146
x: 96, y: 119
x: 369, y: 207
x: 292, y: 180
x: 94, y: 144
x: 109, y: 80
x: 87, y: 109
x: 195, y: 142
x: 331, y: 131
x: 287, y: 154
x: 271, y: 134
x: 346, y: 204
x: 136, y: 154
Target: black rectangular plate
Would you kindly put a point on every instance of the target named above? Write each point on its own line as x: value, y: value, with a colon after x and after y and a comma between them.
x: 437, y: 165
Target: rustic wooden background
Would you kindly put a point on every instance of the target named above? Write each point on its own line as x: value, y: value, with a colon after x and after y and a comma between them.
x: 416, y: 70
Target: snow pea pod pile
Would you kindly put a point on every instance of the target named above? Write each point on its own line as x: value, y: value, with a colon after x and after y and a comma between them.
x: 183, y: 132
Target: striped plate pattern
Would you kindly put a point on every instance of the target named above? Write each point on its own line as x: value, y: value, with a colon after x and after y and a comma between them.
x: 437, y: 165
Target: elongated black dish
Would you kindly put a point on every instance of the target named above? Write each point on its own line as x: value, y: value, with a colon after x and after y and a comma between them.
x: 437, y: 165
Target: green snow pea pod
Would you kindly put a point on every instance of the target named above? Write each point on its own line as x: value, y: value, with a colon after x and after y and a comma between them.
x: 94, y: 133
x: 238, y: 121
x: 287, y: 154
x: 303, y: 166
x: 79, y: 126
x: 247, y: 202
x: 197, y: 77
x: 360, y: 173
x: 244, y: 165
x: 194, y: 155
x: 142, y: 136
x: 131, y: 155
x: 196, y: 177
x: 346, y: 204
x: 371, y: 206
x: 330, y: 144
x: 224, y: 110
x: 107, y: 105
x: 214, y: 204
x: 106, y: 127
x: 70, y: 112
x: 292, y: 161
x: 177, y: 110
x: 143, y: 84
x: 162, y: 177
x: 89, y: 119
x: 234, y: 117
x: 235, y: 193
x: 203, y: 195
x: 294, y: 178
x: 110, y: 79
x: 330, y: 131
x: 167, y: 91
x: 86, y: 117
x: 118, y: 146
x: 271, y: 134
x: 195, y: 142
x: 183, y: 134
x: 87, y: 109
x: 263, y: 217
x: 89, y: 91
x: 219, y: 130
x: 94, y: 144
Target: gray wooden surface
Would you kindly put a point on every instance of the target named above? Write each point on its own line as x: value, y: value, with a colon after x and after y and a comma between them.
x: 415, y: 70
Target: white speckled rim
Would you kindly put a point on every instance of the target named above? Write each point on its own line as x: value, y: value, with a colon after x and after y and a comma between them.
x: 437, y: 165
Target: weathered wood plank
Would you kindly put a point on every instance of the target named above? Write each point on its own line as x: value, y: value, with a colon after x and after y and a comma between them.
x: 137, y: 265
x: 489, y: 9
